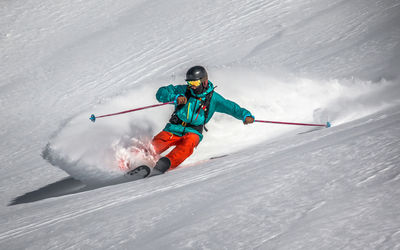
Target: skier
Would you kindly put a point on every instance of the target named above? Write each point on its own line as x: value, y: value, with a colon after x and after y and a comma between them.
x: 195, y: 104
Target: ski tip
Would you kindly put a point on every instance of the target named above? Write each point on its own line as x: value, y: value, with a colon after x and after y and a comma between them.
x: 328, y: 125
x: 92, y: 118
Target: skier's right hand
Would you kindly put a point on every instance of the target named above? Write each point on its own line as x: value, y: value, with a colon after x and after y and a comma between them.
x: 181, y: 100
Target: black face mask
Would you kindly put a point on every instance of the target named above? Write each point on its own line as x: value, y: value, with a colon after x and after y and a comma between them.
x: 200, y: 89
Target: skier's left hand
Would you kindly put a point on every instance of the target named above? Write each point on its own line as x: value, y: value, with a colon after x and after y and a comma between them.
x: 248, y: 120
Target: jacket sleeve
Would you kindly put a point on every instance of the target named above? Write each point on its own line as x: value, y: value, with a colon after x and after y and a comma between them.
x: 170, y: 92
x: 231, y: 108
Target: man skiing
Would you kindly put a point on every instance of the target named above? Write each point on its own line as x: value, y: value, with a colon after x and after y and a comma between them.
x: 195, y: 104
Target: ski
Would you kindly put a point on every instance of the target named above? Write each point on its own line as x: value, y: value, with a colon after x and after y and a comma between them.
x: 138, y: 173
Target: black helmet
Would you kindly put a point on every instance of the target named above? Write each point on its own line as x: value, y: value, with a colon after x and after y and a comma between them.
x: 196, y: 73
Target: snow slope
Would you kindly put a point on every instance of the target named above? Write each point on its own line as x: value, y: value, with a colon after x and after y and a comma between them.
x: 280, y: 187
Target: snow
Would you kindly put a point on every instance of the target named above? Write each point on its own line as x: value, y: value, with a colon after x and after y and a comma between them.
x: 278, y: 187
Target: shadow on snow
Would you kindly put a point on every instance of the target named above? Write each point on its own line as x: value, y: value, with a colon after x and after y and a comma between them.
x: 60, y: 188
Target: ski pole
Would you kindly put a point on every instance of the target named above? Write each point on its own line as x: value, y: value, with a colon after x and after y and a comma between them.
x: 327, y: 125
x: 93, y: 117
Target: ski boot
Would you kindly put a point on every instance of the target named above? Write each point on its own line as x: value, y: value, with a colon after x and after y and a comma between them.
x: 161, y: 166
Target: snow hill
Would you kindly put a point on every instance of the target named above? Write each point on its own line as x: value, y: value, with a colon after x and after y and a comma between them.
x: 276, y: 186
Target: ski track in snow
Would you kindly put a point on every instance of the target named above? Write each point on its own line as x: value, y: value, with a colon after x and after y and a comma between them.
x: 304, y: 145
x: 21, y: 231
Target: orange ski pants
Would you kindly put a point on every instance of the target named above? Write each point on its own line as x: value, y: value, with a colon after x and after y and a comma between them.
x: 184, y: 146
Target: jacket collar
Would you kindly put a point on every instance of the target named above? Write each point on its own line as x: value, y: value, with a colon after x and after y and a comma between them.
x: 209, y: 89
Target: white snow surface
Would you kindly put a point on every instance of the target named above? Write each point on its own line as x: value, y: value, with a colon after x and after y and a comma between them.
x: 276, y: 186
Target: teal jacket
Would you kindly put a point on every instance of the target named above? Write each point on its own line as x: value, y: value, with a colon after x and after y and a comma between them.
x: 191, y: 113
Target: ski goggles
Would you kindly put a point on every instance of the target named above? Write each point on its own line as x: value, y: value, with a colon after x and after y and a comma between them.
x: 194, y: 83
